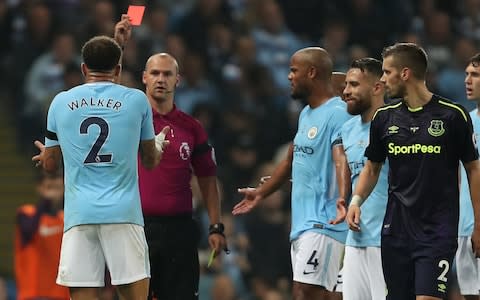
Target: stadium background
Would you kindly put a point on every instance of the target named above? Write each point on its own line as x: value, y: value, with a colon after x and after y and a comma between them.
x: 234, y: 59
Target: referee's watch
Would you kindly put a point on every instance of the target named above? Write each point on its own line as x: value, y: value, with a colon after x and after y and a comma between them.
x: 217, y: 228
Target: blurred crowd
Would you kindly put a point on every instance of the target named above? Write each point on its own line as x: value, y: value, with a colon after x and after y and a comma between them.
x: 234, y: 62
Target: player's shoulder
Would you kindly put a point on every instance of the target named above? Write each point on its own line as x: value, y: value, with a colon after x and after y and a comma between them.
x: 131, y: 92
x: 337, y: 109
x: 390, y: 107
x: 453, y: 107
x: 337, y: 104
x: 351, y: 123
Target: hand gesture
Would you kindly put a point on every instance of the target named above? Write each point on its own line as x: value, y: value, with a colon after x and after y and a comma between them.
x: 341, y: 212
x: 353, y: 217
x: 250, y: 200
x: 160, y: 141
x: 38, y: 159
x: 123, y: 30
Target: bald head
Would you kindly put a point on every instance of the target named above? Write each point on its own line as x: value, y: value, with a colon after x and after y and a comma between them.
x: 318, y: 58
x: 161, y: 56
x: 338, y: 83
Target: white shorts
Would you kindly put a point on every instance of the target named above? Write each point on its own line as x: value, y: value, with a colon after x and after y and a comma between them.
x: 86, y: 249
x: 468, y: 267
x: 316, y: 259
x: 362, y: 274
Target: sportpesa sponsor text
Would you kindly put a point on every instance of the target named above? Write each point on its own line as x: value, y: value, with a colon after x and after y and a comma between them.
x: 413, y: 149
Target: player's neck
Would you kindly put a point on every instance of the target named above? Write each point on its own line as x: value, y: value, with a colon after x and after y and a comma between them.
x: 99, y: 77
x: 367, y: 116
x: 320, y: 96
x: 417, y: 95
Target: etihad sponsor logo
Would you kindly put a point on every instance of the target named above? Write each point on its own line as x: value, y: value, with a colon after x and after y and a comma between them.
x: 303, y: 149
x: 436, y: 128
x: 393, y: 129
x: 413, y: 149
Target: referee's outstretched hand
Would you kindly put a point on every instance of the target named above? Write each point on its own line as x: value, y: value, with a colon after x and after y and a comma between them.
x: 476, y: 242
x: 250, y: 200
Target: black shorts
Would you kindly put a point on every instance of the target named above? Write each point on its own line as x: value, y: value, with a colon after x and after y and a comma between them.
x: 173, y: 248
x: 416, y: 268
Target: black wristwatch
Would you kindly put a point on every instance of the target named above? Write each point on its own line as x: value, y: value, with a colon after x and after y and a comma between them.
x: 217, y: 228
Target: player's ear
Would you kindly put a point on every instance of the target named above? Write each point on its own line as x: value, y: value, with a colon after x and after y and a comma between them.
x: 405, y: 73
x: 312, y: 72
x: 378, y: 87
x: 118, y: 70
x: 84, y: 69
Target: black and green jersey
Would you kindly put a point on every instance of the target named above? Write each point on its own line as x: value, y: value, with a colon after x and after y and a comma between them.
x: 424, y: 147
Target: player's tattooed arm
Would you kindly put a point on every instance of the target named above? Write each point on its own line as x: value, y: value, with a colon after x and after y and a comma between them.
x: 49, y: 158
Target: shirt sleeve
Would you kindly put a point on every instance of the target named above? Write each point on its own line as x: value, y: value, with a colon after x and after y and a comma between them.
x: 465, y: 136
x: 203, y: 156
x: 376, y: 151
x: 337, y: 122
x: 51, y: 138
x: 147, y: 131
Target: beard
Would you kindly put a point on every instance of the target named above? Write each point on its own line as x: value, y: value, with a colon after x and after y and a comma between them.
x: 399, y: 93
x: 301, y: 95
x: 357, y: 106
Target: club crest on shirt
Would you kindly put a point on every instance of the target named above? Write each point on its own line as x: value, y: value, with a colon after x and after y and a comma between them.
x: 184, y: 151
x: 312, y: 132
x: 436, y: 128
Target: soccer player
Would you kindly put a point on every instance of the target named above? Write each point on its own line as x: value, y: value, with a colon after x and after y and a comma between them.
x: 38, y: 237
x: 424, y: 136
x: 338, y: 83
x: 468, y: 266
x: 362, y: 264
x: 316, y: 161
x: 98, y: 128
x: 166, y: 196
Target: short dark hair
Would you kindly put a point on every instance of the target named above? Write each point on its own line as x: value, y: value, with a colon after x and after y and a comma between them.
x: 408, y: 55
x: 101, y: 53
x: 475, y: 60
x: 369, y: 65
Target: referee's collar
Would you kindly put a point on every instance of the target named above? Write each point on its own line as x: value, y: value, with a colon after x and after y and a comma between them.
x: 169, y: 115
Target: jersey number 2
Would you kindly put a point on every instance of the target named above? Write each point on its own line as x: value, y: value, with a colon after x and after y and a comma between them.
x: 93, y: 156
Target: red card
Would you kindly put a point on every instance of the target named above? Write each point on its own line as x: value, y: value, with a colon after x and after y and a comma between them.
x: 135, y: 12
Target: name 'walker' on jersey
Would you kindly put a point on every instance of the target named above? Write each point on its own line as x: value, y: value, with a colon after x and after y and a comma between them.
x: 99, y: 127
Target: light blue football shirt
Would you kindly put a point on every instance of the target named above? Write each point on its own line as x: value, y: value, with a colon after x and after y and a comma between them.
x: 355, y: 136
x: 314, y: 184
x: 465, y: 224
x: 99, y: 127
